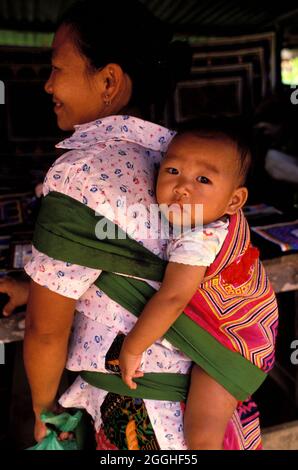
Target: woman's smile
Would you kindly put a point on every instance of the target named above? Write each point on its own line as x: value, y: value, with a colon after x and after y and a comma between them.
x: 57, y: 106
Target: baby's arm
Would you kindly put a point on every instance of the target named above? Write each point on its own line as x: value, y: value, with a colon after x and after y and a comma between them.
x: 209, y: 408
x: 179, y: 285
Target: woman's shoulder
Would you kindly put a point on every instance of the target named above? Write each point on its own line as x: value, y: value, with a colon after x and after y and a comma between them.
x: 67, y: 165
x: 69, y: 173
x: 70, y: 157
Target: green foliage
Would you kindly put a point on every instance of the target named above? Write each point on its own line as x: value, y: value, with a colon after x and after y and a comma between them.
x: 289, y: 72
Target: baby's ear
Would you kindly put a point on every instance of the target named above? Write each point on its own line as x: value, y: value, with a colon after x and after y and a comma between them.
x: 237, y: 201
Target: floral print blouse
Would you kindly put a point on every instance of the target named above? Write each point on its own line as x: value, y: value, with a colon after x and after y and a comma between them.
x: 107, y: 161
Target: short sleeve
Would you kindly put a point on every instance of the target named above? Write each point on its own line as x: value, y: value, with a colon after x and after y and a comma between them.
x: 67, y: 279
x: 197, y: 247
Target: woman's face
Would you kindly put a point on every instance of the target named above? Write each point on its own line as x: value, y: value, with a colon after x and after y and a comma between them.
x: 77, y: 92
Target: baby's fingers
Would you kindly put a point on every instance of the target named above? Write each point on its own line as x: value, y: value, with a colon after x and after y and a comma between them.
x: 138, y: 374
x: 127, y: 379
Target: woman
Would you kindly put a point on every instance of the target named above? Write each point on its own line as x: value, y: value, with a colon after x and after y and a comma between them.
x: 106, y: 71
x: 99, y: 72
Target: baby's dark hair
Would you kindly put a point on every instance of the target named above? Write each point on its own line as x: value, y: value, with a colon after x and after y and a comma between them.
x: 236, y: 130
x: 128, y: 34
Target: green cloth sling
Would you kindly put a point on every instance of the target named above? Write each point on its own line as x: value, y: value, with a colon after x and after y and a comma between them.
x: 65, y: 230
x: 153, y: 386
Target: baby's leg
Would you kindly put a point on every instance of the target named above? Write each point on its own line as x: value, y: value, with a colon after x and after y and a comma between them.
x: 209, y: 408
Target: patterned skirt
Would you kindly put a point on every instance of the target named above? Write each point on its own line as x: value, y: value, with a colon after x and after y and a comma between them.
x: 126, y: 424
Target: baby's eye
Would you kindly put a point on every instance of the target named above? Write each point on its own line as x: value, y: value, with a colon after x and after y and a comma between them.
x: 172, y: 171
x: 203, y: 180
x: 54, y: 68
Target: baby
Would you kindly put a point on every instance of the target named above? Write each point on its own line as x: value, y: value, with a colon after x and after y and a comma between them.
x: 207, y: 167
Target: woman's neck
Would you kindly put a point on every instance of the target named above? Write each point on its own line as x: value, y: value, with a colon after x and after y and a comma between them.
x: 122, y: 98
x: 131, y: 111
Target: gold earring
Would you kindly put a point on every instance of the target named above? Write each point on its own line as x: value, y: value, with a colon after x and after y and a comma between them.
x: 107, y: 100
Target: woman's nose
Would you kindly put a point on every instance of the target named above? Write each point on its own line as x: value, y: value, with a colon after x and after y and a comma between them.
x: 48, y: 87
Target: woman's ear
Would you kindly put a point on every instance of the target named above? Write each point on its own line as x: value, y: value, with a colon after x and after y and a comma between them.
x: 117, y: 86
x: 237, y: 201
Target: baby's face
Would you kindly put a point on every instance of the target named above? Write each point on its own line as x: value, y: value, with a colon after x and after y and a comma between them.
x: 199, y: 171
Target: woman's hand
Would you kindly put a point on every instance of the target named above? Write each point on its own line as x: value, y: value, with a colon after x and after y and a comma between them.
x: 129, y: 364
x: 40, y: 429
x: 18, y: 292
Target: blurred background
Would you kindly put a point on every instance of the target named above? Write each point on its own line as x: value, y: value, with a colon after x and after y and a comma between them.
x: 244, y: 63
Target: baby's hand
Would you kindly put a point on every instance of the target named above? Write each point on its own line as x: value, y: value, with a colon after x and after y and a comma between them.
x: 129, y: 365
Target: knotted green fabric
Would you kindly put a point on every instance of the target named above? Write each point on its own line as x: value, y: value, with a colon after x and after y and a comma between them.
x: 66, y: 230
x: 154, y: 386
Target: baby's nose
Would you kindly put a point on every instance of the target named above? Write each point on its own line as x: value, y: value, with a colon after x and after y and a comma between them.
x: 181, y: 190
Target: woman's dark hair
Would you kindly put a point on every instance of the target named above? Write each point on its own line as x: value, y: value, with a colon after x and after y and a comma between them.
x: 126, y: 33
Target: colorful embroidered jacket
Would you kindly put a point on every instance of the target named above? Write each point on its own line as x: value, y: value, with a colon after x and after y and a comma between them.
x: 236, y: 303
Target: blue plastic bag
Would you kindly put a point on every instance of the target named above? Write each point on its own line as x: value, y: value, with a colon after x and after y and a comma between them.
x: 63, y: 422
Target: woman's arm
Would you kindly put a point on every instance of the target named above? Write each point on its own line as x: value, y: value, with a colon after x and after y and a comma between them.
x: 48, y: 323
x: 179, y: 285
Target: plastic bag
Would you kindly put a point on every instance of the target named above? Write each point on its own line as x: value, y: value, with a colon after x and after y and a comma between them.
x: 63, y: 422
